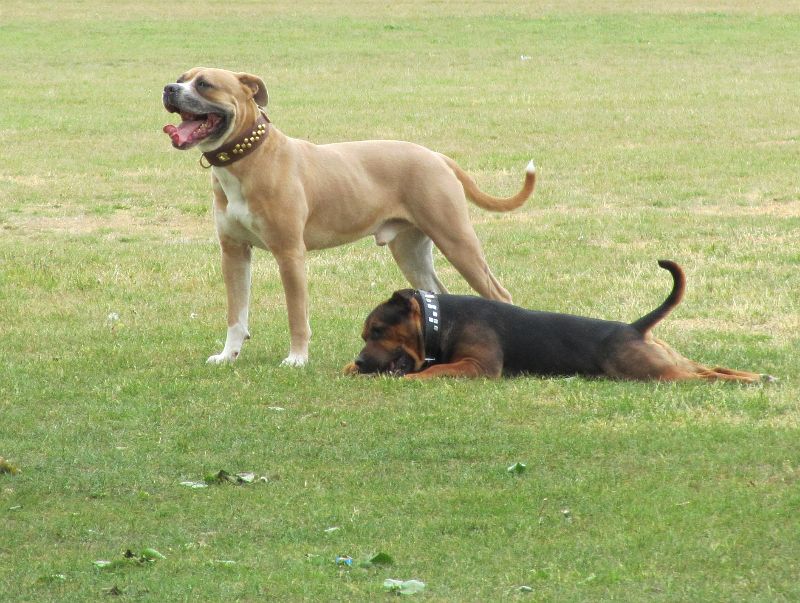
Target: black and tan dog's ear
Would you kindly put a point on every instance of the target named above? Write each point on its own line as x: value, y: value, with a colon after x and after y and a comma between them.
x: 256, y: 84
x: 402, y: 298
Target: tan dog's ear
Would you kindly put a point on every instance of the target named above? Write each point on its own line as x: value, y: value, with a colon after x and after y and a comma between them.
x: 256, y: 84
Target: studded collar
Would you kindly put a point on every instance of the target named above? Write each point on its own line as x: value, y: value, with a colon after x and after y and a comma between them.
x: 233, y: 151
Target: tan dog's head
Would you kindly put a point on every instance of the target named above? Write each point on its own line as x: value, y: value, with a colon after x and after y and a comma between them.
x: 214, y: 105
x: 393, y: 338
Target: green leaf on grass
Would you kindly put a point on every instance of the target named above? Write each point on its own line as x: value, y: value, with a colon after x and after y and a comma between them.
x: 403, y: 587
x: 380, y: 559
x: 129, y: 558
x: 6, y: 467
x: 222, y: 477
x: 517, y: 468
x: 151, y: 555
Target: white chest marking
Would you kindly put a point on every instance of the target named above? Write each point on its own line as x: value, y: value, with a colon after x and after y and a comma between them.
x: 236, y: 220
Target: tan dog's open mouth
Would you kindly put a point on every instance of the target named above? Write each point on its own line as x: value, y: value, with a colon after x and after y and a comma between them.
x: 193, y: 128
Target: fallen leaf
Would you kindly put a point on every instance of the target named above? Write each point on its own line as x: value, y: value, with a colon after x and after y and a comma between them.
x: 6, y: 467
x: 517, y: 468
x: 379, y: 559
x: 151, y: 555
x: 223, y: 476
x: 403, y: 587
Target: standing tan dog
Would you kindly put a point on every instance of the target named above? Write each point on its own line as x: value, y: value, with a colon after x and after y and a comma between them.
x: 291, y: 196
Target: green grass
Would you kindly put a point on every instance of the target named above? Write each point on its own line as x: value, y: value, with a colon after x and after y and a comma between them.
x: 659, y: 131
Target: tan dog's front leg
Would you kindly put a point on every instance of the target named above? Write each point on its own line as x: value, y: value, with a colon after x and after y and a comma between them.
x: 236, y: 274
x: 292, y: 267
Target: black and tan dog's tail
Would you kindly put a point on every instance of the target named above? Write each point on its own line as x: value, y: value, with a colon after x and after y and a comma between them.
x: 486, y: 201
x: 648, y: 321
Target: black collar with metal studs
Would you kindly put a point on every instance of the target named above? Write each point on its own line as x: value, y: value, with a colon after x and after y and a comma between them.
x: 431, y: 325
x: 234, y: 151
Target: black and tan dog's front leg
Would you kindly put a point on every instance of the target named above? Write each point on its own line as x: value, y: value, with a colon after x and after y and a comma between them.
x: 476, y: 354
x: 466, y: 367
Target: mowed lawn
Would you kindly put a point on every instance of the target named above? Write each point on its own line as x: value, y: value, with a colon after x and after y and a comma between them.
x: 659, y: 129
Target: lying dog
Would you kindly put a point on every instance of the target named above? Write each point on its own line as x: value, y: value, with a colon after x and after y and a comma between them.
x: 419, y: 334
x: 291, y: 196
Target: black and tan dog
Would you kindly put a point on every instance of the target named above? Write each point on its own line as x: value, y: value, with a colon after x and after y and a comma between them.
x: 419, y: 335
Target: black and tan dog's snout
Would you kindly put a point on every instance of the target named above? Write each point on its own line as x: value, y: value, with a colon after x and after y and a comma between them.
x: 361, y: 364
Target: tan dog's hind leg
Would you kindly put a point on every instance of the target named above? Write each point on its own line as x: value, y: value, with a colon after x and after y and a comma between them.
x: 412, y: 250
x: 463, y: 251
x: 441, y: 212
x: 236, y: 274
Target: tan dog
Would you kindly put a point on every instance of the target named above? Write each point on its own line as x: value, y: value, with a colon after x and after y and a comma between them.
x: 290, y: 196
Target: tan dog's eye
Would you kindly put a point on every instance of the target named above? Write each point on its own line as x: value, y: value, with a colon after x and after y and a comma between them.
x: 202, y: 84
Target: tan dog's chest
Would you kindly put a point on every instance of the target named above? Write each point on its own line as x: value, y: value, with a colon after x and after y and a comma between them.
x: 235, y: 220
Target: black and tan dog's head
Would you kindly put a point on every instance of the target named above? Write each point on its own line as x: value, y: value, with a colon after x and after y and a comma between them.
x: 214, y: 105
x: 392, y: 337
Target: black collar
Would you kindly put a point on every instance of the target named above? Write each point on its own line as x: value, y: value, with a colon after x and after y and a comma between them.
x: 431, y: 324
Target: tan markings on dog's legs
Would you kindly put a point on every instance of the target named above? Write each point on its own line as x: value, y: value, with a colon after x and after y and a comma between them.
x: 466, y: 367
x: 236, y: 274
x: 725, y: 374
x: 652, y: 358
x: 413, y: 251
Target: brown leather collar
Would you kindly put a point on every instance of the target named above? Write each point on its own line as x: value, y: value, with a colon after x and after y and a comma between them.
x: 234, y: 151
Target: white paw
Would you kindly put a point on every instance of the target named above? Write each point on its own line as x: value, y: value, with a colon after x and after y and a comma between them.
x: 295, y: 360
x: 223, y: 356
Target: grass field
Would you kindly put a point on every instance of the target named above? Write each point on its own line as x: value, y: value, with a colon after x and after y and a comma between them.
x: 659, y: 131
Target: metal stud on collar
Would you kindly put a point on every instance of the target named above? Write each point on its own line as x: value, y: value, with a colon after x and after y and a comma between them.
x: 248, y: 141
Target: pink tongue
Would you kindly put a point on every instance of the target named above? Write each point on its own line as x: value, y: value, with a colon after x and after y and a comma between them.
x: 181, y: 133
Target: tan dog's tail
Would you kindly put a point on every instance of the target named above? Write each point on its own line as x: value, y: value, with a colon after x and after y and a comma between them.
x: 648, y: 321
x: 481, y: 199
